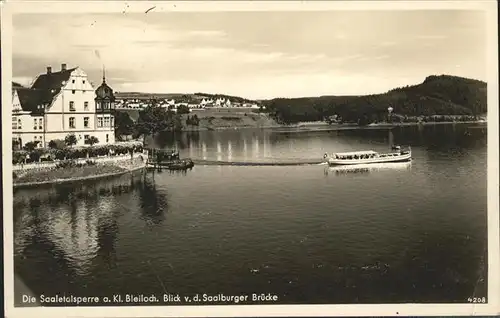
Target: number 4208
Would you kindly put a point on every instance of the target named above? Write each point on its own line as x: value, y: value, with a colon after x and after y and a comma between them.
x: 477, y: 300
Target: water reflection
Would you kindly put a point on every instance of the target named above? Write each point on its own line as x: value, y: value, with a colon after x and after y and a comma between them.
x: 367, y: 168
x: 79, y: 221
x: 391, y: 138
x: 78, y: 224
x: 153, y: 203
x: 256, y: 145
x: 219, y: 150
x: 245, y: 149
x: 204, y: 150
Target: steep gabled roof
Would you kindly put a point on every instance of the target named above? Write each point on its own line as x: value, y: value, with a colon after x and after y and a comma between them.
x: 49, y: 85
x: 30, y: 99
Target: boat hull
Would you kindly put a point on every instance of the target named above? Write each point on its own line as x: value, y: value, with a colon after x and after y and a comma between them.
x: 388, y: 159
x: 183, y: 164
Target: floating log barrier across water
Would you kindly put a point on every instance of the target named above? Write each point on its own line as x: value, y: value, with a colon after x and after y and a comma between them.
x: 298, y: 162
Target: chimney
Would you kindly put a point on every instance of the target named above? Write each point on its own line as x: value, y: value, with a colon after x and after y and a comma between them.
x: 63, y: 67
x: 49, y: 69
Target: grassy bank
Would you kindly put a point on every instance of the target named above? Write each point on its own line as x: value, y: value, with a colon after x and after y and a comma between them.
x: 74, y: 172
x: 228, y: 118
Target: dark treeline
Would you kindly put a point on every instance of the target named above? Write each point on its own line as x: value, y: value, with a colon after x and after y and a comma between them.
x: 437, y: 95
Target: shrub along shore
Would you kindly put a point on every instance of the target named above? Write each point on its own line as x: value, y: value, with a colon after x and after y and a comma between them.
x: 68, y: 153
x: 68, y: 168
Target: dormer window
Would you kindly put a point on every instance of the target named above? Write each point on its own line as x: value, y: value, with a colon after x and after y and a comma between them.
x: 73, y: 91
x: 73, y: 81
x: 83, y: 81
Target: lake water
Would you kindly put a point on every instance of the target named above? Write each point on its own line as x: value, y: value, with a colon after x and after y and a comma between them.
x: 308, y: 234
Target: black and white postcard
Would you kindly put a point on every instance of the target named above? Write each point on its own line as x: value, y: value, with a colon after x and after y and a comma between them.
x: 250, y: 158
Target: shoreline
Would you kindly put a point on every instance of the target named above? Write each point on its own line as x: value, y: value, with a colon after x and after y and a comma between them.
x: 69, y: 180
x: 316, y: 126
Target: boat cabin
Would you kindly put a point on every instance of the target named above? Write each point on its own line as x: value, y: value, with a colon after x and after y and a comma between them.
x: 160, y: 155
x: 356, y: 155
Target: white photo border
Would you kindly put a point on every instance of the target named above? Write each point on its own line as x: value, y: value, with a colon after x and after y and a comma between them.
x: 9, y: 9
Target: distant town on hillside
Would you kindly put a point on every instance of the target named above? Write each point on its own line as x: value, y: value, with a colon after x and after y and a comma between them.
x: 436, y: 95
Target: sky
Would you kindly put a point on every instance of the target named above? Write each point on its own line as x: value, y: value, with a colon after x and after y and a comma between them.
x: 254, y: 54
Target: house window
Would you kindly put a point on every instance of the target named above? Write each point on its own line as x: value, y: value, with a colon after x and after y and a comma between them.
x: 99, y: 121
x: 86, y: 122
x: 14, y: 122
x: 83, y: 81
x: 35, y: 124
x: 19, y: 124
x: 107, y: 138
x: 72, y: 106
x: 86, y: 139
x: 112, y: 120
x: 72, y: 122
x: 86, y: 105
x: 40, y: 123
x: 73, y: 81
x: 106, y: 121
x: 73, y: 91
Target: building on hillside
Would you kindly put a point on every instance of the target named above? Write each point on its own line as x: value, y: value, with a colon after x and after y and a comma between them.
x: 61, y: 103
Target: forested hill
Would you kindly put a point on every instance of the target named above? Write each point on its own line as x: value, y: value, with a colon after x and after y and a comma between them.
x: 437, y: 95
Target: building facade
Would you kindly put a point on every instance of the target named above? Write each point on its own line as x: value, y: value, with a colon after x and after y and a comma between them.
x: 59, y: 104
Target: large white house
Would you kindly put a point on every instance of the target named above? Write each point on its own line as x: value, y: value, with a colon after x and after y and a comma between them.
x: 61, y: 103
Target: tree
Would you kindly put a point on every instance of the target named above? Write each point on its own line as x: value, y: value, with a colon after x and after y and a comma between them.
x: 124, y: 125
x: 195, y: 121
x: 364, y: 120
x: 70, y: 140
x: 92, y: 140
x: 15, y: 144
x: 177, y: 123
x: 183, y: 109
x: 154, y: 119
x: 57, y: 144
x: 30, y: 146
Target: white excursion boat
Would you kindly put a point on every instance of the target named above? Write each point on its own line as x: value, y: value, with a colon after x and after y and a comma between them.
x: 368, y: 156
